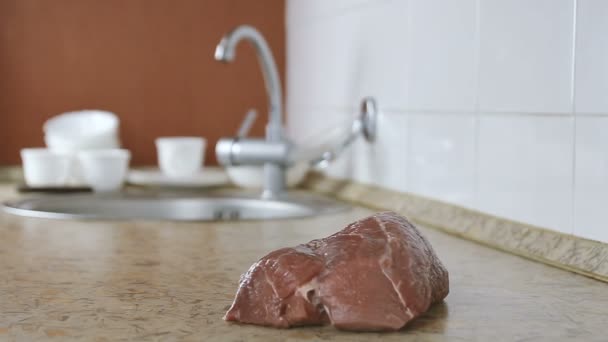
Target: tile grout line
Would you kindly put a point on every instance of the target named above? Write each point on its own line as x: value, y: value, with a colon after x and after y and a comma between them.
x: 413, y: 111
x: 408, y: 119
x: 574, y: 121
x: 477, y: 130
x: 316, y: 19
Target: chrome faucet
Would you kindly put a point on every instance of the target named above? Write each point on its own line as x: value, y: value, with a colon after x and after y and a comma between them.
x: 273, y: 152
x: 276, y: 152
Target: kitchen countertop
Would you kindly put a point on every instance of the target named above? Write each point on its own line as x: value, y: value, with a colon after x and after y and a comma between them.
x: 110, y: 281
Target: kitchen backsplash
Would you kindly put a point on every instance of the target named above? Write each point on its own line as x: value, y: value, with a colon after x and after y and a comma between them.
x: 496, y: 105
x: 149, y: 61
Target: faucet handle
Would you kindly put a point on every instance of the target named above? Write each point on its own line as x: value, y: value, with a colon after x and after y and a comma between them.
x: 364, y: 126
x: 248, y: 121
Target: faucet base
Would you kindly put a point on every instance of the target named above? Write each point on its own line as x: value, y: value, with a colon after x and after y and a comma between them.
x: 274, y: 180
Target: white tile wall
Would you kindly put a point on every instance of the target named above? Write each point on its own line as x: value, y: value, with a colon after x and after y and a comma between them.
x: 384, y: 162
x: 442, y: 157
x: 383, y: 42
x: 591, y: 56
x: 347, y: 54
x: 526, y: 55
x: 478, y: 100
x: 304, y: 12
x: 443, y: 50
x: 591, y: 178
x: 321, y: 62
x: 525, y: 169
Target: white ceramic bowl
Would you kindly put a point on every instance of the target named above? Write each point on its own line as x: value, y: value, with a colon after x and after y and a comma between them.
x: 105, y: 170
x: 180, y: 157
x: 43, y: 167
x: 69, y: 145
x: 80, y: 130
x: 253, y: 176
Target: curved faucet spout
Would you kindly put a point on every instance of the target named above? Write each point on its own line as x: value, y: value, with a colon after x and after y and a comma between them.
x: 274, y: 170
x: 226, y: 52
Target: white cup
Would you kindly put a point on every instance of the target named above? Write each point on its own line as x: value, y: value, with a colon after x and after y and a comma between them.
x: 180, y: 156
x: 43, y: 167
x: 105, y: 170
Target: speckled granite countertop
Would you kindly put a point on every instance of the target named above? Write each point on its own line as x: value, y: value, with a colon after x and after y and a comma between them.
x: 110, y: 281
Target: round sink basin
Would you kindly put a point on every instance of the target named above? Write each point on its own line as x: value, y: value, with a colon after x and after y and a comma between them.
x: 181, y: 208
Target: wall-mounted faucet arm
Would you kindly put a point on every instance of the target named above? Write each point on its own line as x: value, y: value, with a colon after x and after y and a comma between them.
x: 226, y: 52
x: 274, y: 151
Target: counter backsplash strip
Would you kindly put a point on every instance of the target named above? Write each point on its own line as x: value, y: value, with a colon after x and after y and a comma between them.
x: 568, y: 252
x: 500, y: 106
x: 149, y: 62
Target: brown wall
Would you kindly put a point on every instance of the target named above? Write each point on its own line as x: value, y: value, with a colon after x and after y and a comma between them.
x: 149, y: 61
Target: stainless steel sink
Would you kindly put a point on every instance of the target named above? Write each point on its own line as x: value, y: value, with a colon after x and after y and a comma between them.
x: 181, y: 207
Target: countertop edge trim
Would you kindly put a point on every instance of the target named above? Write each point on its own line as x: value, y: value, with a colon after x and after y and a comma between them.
x: 568, y: 252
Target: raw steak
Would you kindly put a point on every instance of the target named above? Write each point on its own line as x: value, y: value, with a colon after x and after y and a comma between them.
x: 376, y: 274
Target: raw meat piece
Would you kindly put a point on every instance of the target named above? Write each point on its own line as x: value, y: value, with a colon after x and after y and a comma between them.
x: 376, y: 274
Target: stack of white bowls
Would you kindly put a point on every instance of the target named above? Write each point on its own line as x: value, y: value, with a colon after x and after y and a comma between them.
x: 82, y: 148
x: 73, y: 132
